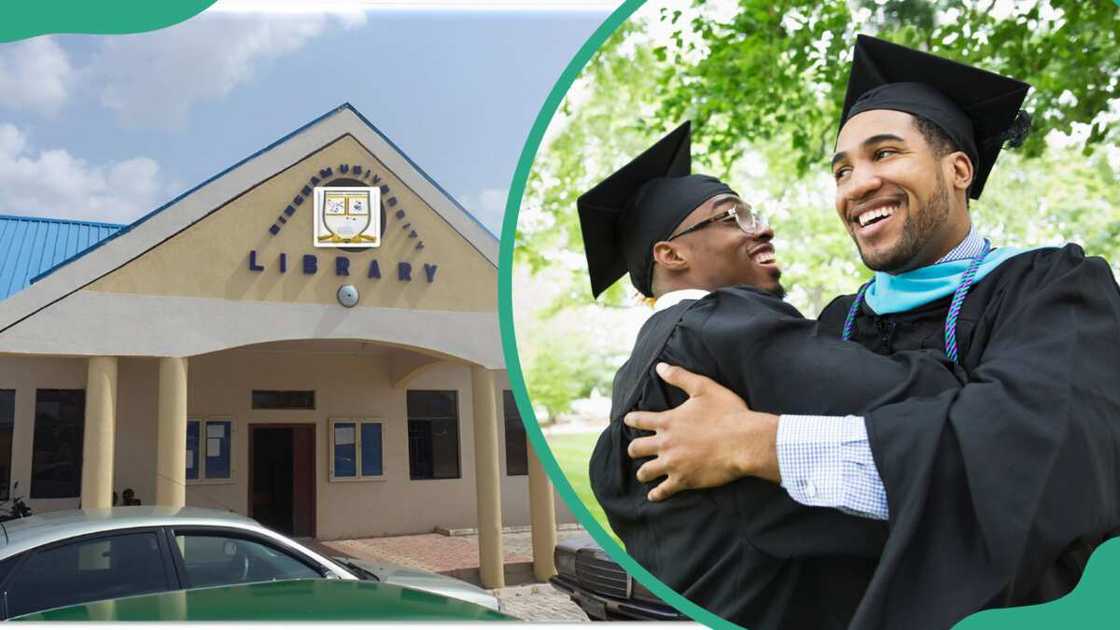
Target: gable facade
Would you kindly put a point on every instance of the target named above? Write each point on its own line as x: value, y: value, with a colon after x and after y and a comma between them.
x: 192, y: 354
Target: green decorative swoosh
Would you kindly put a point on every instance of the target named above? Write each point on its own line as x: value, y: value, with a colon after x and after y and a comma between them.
x: 1091, y: 605
x: 19, y: 20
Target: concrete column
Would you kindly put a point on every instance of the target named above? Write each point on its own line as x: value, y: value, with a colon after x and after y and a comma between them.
x: 487, y: 479
x: 100, y: 431
x: 171, y: 434
x: 542, y: 519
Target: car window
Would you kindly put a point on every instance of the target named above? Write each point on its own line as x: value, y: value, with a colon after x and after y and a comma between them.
x: 6, y: 566
x: 212, y: 559
x: 87, y: 570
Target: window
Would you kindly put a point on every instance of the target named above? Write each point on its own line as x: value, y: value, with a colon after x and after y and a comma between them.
x: 433, y: 434
x: 7, y: 427
x: 56, y: 457
x: 192, y: 448
x: 208, y: 449
x: 356, y: 449
x: 88, y: 570
x: 272, y: 399
x: 517, y: 448
x: 214, y: 559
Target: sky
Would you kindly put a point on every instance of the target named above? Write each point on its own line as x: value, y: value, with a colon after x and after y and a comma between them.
x: 107, y: 128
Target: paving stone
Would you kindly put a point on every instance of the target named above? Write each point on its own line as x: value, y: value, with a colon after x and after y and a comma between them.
x: 538, y: 602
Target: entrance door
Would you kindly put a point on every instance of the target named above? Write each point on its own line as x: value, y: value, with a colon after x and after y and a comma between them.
x: 282, y: 485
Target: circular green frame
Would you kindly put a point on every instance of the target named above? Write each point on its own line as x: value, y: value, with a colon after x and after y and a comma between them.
x: 1087, y: 607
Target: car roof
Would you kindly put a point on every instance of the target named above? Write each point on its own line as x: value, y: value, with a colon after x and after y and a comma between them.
x: 295, y: 600
x: 21, y: 534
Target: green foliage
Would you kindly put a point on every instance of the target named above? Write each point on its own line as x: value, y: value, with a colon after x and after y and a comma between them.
x: 780, y: 68
x: 771, y: 70
x: 595, y: 137
x: 573, y: 452
x: 564, y: 368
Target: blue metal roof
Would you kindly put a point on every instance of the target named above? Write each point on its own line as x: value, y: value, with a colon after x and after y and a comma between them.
x: 30, y: 245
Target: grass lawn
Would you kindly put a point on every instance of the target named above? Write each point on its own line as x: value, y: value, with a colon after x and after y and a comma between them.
x: 573, y: 451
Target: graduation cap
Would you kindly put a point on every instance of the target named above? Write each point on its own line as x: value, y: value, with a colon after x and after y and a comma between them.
x: 638, y: 205
x: 979, y: 110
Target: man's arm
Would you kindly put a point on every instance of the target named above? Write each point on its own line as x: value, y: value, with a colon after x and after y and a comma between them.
x: 713, y: 439
x: 826, y: 461
x: 765, y: 351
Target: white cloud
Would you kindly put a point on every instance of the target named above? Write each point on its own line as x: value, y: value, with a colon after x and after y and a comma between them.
x: 354, y: 6
x: 34, y: 74
x: 153, y: 79
x: 487, y: 205
x: 56, y: 184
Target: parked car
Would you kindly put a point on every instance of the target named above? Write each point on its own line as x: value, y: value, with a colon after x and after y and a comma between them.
x: 602, y: 588
x: 292, y: 600
x: 70, y: 557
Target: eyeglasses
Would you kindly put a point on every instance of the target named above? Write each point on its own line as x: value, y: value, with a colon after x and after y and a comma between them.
x: 749, y: 222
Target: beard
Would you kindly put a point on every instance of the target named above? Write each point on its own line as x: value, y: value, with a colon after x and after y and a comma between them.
x: 777, y: 291
x: 917, y: 231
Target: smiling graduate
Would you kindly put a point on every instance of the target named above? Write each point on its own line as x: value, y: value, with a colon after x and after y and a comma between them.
x: 995, y: 493
x: 746, y: 550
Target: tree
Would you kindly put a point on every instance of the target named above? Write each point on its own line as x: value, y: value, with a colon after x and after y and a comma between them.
x: 780, y: 68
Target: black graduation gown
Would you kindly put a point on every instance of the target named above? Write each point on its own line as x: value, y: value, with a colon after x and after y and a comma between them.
x: 998, y: 490
x: 747, y: 551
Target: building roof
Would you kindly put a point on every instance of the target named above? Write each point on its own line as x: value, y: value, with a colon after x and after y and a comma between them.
x: 26, y: 260
x: 31, y: 245
x: 56, y: 315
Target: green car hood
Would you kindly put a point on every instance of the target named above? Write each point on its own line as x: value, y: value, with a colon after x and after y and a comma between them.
x: 295, y: 600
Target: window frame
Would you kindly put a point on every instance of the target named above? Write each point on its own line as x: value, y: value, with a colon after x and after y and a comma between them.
x: 78, y: 455
x: 203, y: 479
x: 357, y: 422
x: 253, y: 395
x: 409, y: 419
x: 506, y: 435
x: 6, y: 488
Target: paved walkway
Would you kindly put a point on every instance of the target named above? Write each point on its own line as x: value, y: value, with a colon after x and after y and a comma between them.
x: 539, y: 602
x: 439, y: 552
x: 458, y: 555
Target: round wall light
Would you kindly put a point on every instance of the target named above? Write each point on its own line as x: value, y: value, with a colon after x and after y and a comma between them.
x: 348, y: 295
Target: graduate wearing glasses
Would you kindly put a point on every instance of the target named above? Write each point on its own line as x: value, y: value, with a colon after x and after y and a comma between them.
x: 993, y: 493
x: 746, y: 550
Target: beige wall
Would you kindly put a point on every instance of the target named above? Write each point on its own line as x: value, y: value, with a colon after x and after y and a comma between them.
x: 211, y: 257
x: 346, y: 386
x: 347, y: 383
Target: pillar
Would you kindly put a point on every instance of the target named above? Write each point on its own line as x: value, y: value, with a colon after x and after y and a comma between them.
x: 100, y: 431
x: 487, y: 479
x: 542, y: 519
x: 171, y: 434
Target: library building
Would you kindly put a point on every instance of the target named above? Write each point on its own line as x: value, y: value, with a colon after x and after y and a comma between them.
x: 309, y: 338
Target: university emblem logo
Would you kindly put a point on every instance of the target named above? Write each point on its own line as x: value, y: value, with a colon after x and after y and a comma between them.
x: 347, y: 217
